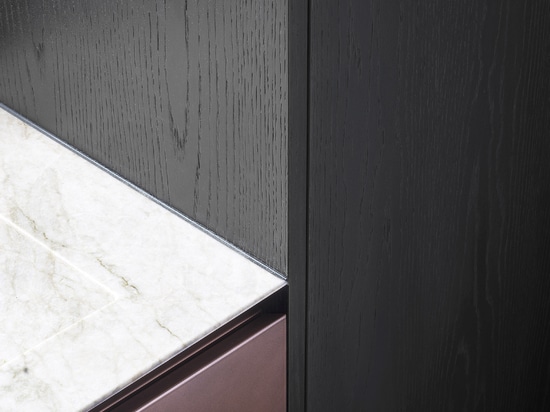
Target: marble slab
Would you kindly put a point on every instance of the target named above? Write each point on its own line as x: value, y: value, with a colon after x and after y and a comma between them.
x: 41, y: 293
x: 98, y: 283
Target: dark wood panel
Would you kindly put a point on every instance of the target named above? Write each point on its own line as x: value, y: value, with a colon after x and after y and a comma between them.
x: 429, y: 225
x: 297, y: 200
x: 186, y: 99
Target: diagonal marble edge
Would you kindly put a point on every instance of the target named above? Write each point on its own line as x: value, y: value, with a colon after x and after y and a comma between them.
x: 173, y: 281
x: 63, y: 144
x: 54, y: 367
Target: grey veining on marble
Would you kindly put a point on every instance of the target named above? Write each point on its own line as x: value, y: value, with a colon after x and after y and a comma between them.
x: 33, y: 276
x: 98, y: 284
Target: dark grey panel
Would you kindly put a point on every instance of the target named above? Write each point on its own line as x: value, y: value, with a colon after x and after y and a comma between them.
x: 186, y: 99
x: 429, y: 225
x: 297, y: 199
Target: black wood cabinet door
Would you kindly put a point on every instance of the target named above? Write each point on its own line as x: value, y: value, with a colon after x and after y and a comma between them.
x: 428, y: 278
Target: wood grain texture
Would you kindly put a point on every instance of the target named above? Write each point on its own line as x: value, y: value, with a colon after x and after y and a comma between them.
x: 429, y: 225
x: 186, y: 99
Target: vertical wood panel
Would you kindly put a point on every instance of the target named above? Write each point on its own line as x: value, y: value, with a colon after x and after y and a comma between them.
x: 186, y: 99
x: 298, y: 116
x: 429, y: 235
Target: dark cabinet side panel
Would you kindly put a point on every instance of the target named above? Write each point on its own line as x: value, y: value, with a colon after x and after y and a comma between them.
x: 186, y: 99
x: 298, y: 31
x: 429, y: 225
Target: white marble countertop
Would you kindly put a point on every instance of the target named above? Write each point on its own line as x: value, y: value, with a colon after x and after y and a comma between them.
x: 98, y: 283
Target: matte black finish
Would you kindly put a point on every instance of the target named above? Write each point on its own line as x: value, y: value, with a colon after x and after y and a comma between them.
x: 187, y: 99
x: 297, y: 199
x: 429, y: 217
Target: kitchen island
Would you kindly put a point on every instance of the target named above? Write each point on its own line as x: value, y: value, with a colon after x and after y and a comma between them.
x: 99, y: 283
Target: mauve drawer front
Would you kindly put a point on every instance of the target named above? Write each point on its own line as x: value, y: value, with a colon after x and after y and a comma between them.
x: 246, y: 371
